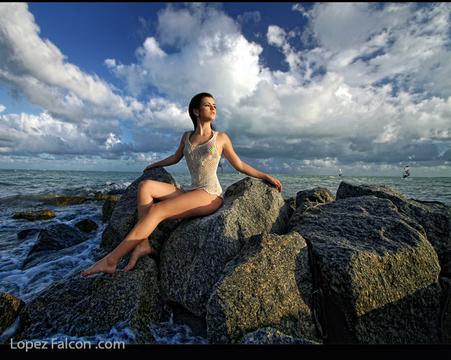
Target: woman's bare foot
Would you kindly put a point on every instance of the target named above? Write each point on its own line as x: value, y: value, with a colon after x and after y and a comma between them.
x: 105, y: 265
x: 142, y: 249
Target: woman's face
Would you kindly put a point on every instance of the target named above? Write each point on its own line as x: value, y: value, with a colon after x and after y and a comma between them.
x: 207, y: 110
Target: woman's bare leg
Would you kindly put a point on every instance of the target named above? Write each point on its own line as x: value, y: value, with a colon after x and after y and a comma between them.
x: 190, y: 204
x: 143, y: 248
x: 148, y: 191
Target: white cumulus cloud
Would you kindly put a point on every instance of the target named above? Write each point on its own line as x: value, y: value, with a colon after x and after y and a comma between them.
x: 211, y: 55
x: 35, y: 67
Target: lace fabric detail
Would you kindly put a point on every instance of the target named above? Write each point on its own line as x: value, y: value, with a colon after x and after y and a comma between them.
x: 203, y: 161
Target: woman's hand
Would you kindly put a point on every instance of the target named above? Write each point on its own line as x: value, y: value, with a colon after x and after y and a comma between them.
x: 274, y: 181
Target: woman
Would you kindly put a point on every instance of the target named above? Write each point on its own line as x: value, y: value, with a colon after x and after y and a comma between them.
x: 202, y: 149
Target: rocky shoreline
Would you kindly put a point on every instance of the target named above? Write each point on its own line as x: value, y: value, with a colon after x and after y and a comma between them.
x: 364, y: 266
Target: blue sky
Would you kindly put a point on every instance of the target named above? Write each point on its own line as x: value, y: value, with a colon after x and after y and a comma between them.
x: 303, y: 88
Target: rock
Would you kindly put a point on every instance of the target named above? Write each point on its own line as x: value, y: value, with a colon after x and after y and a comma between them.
x: 116, y: 192
x: 54, y: 237
x: 291, y: 206
x: 125, y: 213
x: 268, y: 284
x: 309, y: 198
x: 162, y: 233
x: 195, y: 254
x: 44, y: 214
x: 433, y: 216
x: 26, y: 233
x: 104, y: 197
x: 313, y: 197
x: 87, y: 225
x: 271, y: 336
x: 376, y: 271
x: 445, y: 318
x: 196, y: 324
x: 89, y: 306
x: 64, y: 200
x: 107, y: 209
x: 9, y: 310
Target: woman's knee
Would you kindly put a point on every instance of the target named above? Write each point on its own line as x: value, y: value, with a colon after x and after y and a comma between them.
x: 158, y: 210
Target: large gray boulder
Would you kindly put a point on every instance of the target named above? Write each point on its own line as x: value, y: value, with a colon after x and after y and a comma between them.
x: 125, y: 213
x: 268, y: 284
x: 89, y: 306
x: 434, y: 216
x: 195, y: 254
x: 376, y: 271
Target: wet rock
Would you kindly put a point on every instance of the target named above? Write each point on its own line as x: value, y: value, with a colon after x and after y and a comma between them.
x: 104, y: 197
x: 64, y: 200
x: 9, y: 310
x: 54, y: 237
x: 26, y: 233
x: 44, y: 214
x: 87, y: 225
x: 89, y: 306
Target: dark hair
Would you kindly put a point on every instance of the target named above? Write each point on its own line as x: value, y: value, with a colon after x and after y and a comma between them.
x: 195, y: 104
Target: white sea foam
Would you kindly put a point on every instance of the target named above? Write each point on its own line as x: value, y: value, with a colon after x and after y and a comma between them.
x: 62, y: 264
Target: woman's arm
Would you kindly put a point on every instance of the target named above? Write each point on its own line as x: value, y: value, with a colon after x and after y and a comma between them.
x: 241, y: 166
x: 171, y: 160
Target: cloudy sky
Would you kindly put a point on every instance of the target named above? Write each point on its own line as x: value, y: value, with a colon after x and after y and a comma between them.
x: 300, y: 88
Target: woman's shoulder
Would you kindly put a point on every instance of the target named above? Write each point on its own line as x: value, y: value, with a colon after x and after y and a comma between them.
x: 223, y: 138
x: 222, y: 134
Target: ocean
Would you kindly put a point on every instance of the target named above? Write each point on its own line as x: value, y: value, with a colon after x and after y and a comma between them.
x: 22, y: 190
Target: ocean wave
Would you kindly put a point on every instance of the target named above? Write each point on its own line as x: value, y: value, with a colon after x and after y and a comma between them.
x: 27, y: 283
x: 3, y: 183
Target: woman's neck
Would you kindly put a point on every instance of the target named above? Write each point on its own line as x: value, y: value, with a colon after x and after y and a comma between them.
x: 203, y: 129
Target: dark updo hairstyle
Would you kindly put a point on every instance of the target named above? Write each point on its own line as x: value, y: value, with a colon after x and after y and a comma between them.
x: 195, y: 104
